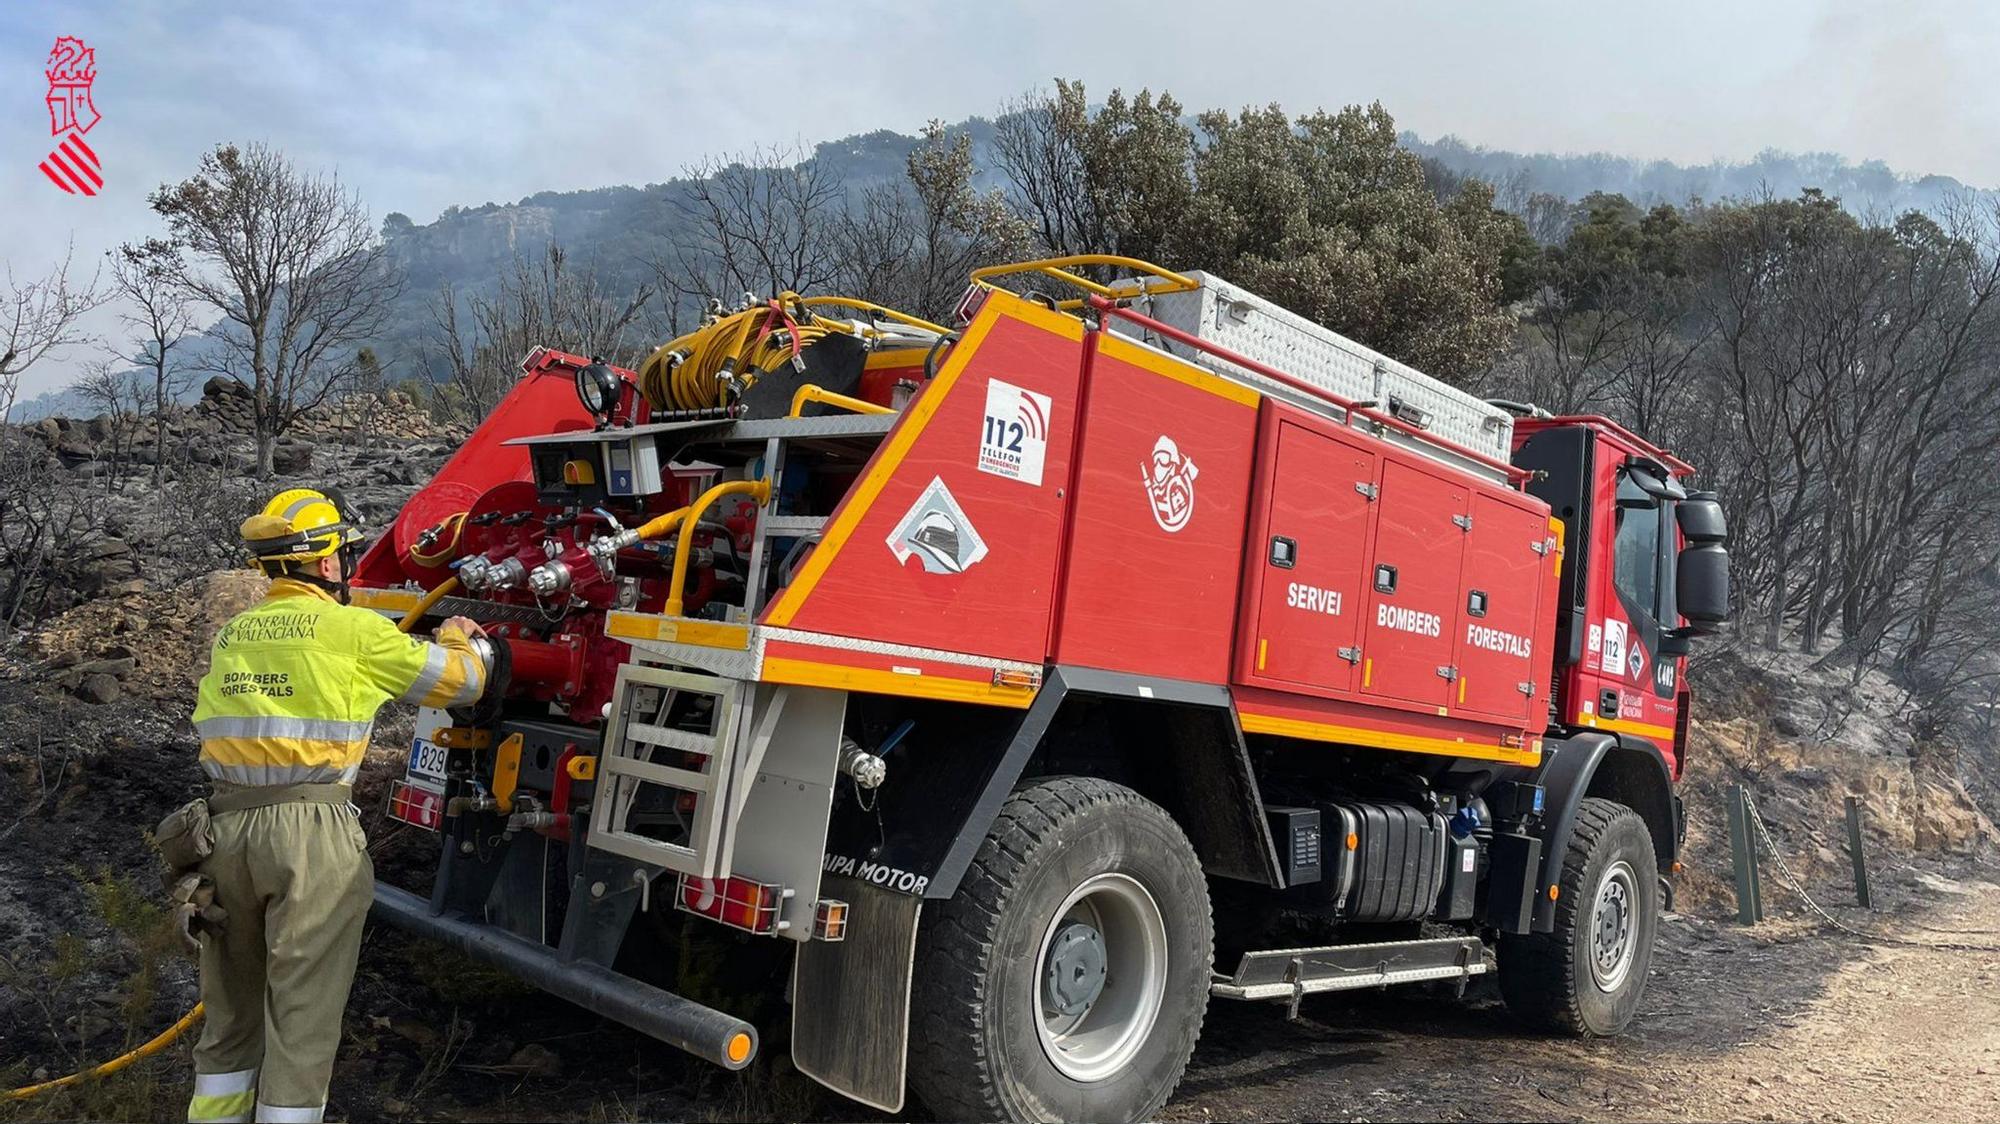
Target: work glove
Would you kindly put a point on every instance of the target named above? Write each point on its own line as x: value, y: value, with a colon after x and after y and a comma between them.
x: 195, y: 909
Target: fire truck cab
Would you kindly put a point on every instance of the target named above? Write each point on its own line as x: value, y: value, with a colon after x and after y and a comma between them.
x: 1038, y: 678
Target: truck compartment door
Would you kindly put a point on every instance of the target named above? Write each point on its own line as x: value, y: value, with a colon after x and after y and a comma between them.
x: 1313, y: 558
x: 1506, y: 563
x: 1409, y: 643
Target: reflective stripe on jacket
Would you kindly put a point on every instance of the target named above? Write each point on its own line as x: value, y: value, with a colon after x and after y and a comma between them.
x: 293, y: 685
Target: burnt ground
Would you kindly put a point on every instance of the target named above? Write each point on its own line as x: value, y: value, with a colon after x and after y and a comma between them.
x: 1784, y: 1021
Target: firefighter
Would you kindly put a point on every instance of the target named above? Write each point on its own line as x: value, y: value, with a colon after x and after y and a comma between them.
x: 284, y: 716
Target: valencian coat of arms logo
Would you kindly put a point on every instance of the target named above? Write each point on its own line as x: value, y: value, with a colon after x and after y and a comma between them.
x: 72, y: 165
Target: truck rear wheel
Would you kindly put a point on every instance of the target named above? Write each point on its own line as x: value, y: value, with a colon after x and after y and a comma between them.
x: 1068, y: 977
x: 1586, y: 978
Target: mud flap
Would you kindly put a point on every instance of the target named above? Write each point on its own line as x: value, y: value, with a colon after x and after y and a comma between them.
x: 851, y: 998
x: 519, y: 900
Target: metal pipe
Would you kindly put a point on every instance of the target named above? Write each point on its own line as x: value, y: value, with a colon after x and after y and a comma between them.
x: 760, y: 490
x: 538, y: 661
x: 678, y: 1021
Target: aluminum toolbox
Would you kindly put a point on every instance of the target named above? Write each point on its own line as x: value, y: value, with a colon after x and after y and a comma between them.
x: 1257, y: 329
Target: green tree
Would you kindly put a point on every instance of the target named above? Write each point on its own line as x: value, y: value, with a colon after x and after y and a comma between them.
x: 1327, y: 214
x: 909, y: 244
x: 1331, y: 217
x: 1116, y: 181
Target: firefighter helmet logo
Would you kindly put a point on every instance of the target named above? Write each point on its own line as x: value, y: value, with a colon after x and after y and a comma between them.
x: 936, y: 531
x: 1169, y: 480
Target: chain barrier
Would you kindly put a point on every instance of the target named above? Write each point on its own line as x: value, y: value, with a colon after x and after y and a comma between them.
x: 1797, y: 886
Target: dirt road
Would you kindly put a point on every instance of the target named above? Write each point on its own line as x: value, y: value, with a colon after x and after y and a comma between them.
x: 1785, y: 1023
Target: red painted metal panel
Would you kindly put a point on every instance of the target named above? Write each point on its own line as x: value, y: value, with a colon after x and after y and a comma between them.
x: 1161, y: 495
x: 950, y: 554
x: 1309, y: 564
x: 1413, y: 610
x: 544, y: 401
x: 1502, y: 671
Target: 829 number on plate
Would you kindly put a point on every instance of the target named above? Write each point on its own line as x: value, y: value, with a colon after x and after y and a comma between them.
x: 427, y: 760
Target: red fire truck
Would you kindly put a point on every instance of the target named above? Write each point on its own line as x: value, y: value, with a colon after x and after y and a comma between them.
x: 1030, y: 674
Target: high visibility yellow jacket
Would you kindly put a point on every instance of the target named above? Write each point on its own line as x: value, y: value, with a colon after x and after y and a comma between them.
x: 293, y: 685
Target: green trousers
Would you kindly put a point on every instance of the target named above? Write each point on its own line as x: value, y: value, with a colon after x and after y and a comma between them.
x: 297, y: 882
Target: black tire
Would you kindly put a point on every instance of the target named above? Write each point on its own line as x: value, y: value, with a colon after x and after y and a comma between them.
x: 1549, y: 979
x: 976, y: 1049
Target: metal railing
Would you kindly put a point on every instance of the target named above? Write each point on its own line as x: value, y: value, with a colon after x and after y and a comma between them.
x: 1350, y: 407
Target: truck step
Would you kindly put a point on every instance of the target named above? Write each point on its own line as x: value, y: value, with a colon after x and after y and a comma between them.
x: 633, y: 738
x: 1289, y: 973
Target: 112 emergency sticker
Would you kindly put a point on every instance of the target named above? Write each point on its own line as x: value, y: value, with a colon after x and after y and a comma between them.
x: 1014, y: 438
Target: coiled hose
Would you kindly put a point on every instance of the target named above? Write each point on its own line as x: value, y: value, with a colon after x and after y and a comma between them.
x: 732, y: 350
x: 172, y: 1034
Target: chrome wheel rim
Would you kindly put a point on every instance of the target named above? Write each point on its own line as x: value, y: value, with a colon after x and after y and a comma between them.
x: 1613, y: 923
x: 1109, y: 928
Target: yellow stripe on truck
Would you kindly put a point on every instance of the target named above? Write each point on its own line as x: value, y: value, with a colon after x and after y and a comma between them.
x: 809, y: 673
x: 676, y: 630
x: 1383, y: 739
x: 1629, y: 726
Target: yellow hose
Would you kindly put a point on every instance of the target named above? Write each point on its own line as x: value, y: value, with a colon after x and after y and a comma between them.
x: 168, y: 1036
x: 418, y: 610
x: 160, y: 1042
x: 660, y: 525
x: 446, y: 548
x: 687, y: 372
x: 760, y: 490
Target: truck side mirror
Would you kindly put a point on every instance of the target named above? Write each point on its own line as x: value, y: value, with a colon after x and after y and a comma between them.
x: 1701, y: 580
x: 1700, y: 519
x: 1701, y: 588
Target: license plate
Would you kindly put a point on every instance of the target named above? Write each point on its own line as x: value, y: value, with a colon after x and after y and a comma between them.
x: 427, y: 763
x: 416, y: 806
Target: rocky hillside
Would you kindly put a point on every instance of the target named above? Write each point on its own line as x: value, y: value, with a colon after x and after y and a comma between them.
x: 105, y: 506
x: 210, y: 431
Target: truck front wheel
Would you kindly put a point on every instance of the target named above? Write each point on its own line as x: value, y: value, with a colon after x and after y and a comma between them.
x: 1068, y: 977
x: 1586, y: 977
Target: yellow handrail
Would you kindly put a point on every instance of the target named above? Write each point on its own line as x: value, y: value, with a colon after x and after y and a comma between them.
x: 1058, y: 268
x: 813, y: 392
x: 760, y: 490
x: 869, y: 307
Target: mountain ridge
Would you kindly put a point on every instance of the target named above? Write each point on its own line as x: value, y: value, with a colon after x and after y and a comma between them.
x: 611, y: 230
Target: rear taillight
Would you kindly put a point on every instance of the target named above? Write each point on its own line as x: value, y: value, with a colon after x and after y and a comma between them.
x: 829, y: 920
x: 418, y: 807
x: 737, y: 902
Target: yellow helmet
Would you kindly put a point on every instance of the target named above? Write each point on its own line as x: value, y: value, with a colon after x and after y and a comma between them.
x: 298, y: 525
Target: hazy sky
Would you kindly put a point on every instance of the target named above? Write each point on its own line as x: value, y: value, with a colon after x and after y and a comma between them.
x: 468, y: 102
